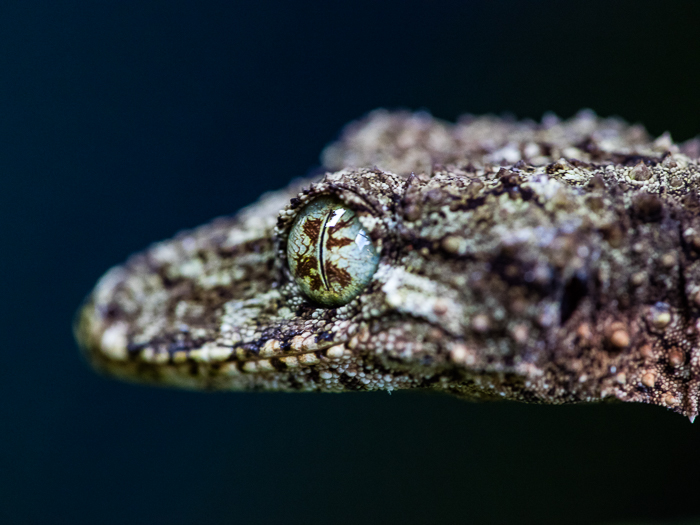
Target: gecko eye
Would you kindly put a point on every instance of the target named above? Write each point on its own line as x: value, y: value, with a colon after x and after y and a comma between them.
x: 330, y: 254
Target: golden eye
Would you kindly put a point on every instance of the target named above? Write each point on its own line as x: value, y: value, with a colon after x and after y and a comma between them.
x: 330, y: 254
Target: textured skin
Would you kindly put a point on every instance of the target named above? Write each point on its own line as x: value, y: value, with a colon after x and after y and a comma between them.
x: 550, y: 263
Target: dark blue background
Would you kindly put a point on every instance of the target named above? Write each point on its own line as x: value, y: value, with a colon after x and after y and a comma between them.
x: 122, y: 122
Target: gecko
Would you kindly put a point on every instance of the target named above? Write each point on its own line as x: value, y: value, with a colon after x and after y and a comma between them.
x: 491, y: 258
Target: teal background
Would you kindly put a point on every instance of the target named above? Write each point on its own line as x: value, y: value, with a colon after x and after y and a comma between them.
x: 123, y: 122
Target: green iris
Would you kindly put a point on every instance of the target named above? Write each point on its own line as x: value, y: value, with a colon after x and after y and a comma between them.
x: 331, y: 256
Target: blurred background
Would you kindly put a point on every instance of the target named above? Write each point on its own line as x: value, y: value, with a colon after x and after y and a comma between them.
x: 122, y: 122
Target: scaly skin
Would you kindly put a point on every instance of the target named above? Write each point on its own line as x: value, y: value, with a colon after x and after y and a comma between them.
x: 550, y: 263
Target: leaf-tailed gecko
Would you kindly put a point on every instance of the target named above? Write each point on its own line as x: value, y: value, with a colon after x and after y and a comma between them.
x: 551, y: 262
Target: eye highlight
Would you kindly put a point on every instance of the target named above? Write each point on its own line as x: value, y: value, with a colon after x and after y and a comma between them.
x: 330, y: 255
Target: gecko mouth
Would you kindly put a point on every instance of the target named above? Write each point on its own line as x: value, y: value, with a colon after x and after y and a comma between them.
x: 239, y: 359
x: 107, y: 347
x: 210, y: 367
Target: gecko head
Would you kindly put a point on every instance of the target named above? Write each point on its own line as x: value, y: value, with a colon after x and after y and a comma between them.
x: 473, y: 258
x: 364, y: 280
x: 286, y: 295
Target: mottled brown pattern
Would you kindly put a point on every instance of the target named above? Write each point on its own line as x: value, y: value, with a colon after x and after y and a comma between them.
x: 312, y: 229
x: 336, y: 275
x: 307, y: 266
x: 552, y: 262
x: 334, y: 241
x: 341, y: 225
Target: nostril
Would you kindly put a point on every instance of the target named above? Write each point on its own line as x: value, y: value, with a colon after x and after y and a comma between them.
x: 575, y: 290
